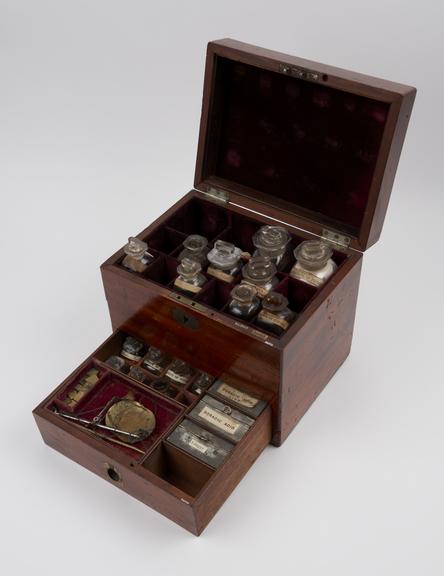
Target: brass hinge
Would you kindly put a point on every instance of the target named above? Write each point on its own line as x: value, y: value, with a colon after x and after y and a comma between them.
x: 217, y: 195
x: 335, y: 238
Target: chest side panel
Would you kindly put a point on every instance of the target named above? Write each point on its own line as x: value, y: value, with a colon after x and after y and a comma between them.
x: 312, y: 357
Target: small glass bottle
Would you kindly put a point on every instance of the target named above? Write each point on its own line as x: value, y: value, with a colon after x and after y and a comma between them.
x: 273, y: 241
x: 225, y: 261
x: 164, y: 387
x: 180, y: 372
x: 275, y: 315
x: 137, y: 373
x: 201, y: 383
x: 116, y: 363
x: 195, y: 248
x: 260, y: 273
x: 132, y: 349
x: 244, y: 301
x: 155, y: 361
x: 314, y: 264
x: 137, y: 256
x: 190, y: 280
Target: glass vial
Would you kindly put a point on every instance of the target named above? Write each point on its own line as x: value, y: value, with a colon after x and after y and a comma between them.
x: 180, y: 372
x: 314, y: 264
x: 132, y: 349
x: 225, y: 261
x: 244, y: 301
x: 137, y: 256
x: 116, y: 363
x: 260, y: 273
x: 273, y: 241
x: 195, y: 248
x: 137, y: 373
x: 275, y: 315
x: 155, y: 361
x: 190, y: 280
x: 164, y: 387
x: 201, y: 383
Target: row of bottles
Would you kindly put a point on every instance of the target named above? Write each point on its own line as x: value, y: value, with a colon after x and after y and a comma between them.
x: 225, y: 261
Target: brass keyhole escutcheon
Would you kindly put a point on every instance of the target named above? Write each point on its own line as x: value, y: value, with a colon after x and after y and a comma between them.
x: 113, y: 474
x: 185, y: 319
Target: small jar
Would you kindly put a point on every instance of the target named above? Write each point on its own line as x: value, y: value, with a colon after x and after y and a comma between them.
x: 190, y: 280
x: 273, y: 241
x: 137, y: 373
x: 137, y: 256
x: 314, y: 264
x: 260, y: 272
x: 180, y: 372
x: 275, y: 315
x: 155, y: 361
x: 132, y: 349
x: 244, y: 301
x: 116, y: 363
x: 201, y: 383
x: 195, y: 248
x: 225, y: 261
x: 164, y: 387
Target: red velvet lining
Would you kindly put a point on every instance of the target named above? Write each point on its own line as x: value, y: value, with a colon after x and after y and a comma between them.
x: 304, y: 142
x: 110, y: 386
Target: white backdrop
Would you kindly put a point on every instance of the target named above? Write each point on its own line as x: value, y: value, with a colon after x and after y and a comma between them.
x: 99, y: 110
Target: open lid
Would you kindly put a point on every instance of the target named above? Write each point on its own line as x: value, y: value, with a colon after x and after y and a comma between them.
x: 311, y: 145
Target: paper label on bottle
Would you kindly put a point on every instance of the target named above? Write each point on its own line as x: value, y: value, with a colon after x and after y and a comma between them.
x: 182, y: 285
x: 221, y: 421
x: 198, y: 445
x: 306, y: 276
x: 177, y: 377
x: 241, y: 398
x: 261, y: 290
x: 270, y: 318
x: 149, y: 365
x: 220, y: 274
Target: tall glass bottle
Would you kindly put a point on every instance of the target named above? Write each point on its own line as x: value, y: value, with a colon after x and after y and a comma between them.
x: 196, y: 248
x: 273, y: 242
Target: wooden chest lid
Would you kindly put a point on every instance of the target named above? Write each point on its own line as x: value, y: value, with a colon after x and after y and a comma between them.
x: 311, y: 145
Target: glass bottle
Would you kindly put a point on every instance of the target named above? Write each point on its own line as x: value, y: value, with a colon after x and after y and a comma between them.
x: 137, y: 256
x: 190, y: 279
x: 225, y: 261
x: 275, y: 315
x: 244, y: 301
x: 164, y: 387
x: 132, y: 349
x: 314, y: 264
x: 196, y: 248
x: 273, y: 241
x: 201, y: 383
x: 156, y: 360
x: 180, y: 372
x: 137, y: 373
x: 116, y: 362
x: 260, y: 273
